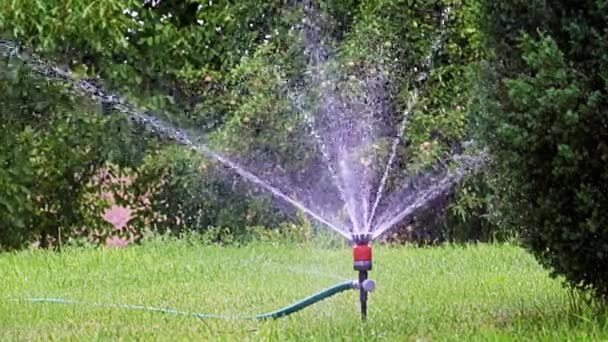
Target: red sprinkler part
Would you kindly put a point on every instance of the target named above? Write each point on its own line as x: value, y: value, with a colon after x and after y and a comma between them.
x: 362, y: 257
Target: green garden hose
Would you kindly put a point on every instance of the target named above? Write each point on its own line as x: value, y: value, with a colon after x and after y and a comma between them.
x: 288, y: 310
x: 347, y: 285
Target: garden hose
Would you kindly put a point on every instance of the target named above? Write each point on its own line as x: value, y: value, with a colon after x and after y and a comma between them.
x: 295, y: 307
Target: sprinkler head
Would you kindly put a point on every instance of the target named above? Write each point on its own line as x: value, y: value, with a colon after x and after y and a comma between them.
x: 361, y: 239
x: 362, y: 257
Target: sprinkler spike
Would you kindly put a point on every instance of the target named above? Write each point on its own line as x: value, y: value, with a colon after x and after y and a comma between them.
x: 363, y: 294
x: 362, y: 262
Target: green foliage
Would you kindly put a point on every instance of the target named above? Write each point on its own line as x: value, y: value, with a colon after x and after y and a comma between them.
x: 15, y: 175
x: 196, y: 194
x: 543, y: 114
x: 222, y: 68
x: 475, y: 213
x: 52, y: 145
x: 388, y: 31
x: 161, y: 58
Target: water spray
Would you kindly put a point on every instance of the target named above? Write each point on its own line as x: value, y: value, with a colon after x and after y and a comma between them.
x: 362, y: 250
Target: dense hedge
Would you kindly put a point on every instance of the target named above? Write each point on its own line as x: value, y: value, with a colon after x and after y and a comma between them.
x: 544, y: 114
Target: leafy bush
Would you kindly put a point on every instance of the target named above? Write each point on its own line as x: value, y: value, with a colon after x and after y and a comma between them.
x: 15, y: 176
x: 196, y: 194
x: 52, y: 144
x: 543, y: 114
x: 475, y: 211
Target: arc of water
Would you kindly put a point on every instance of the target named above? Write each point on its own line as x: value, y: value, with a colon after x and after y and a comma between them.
x: 466, y: 165
x: 84, y: 87
x: 334, y: 175
x: 310, y: 121
x: 318, y: 60
x: 421, y: 76
x: 253, y: 178
x: 427, y: 62
x: 365, y: 199
x: 183, y: 138
x: 410, y: 106
x: 429, y: 194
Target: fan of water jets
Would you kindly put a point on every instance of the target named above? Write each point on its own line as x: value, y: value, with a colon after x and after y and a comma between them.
x: 341, y: 189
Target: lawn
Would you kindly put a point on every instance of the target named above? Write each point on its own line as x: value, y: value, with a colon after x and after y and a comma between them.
x: 451, y: 292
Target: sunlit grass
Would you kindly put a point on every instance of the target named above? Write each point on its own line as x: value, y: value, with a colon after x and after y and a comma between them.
x: 451, y: 292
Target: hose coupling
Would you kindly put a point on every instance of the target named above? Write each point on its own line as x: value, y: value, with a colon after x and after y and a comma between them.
x: 367, y: 285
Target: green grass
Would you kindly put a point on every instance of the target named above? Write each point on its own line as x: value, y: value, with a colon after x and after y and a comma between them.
x: 495, y: 292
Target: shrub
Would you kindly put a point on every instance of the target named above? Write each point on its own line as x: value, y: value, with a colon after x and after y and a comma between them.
x: 51, y: 145
x: 544, y: 116
x: 196, y: 194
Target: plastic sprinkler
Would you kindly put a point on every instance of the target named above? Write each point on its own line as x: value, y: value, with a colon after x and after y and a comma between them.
x: 362, y: 262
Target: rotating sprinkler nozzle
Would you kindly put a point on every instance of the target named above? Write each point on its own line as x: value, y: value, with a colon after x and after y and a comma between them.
x: 362, y: 262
